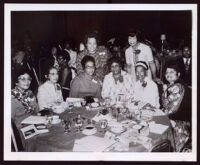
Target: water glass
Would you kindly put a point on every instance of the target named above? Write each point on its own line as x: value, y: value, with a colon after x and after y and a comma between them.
x: 71, y: 106
x: 67, y: 126
x: 78, y: 123
x: 103, y: 124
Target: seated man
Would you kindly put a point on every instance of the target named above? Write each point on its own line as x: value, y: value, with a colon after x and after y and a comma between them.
x: 145, y: 90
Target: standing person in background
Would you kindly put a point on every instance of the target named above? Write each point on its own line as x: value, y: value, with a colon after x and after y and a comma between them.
x: 138, y: 51
x: 73, y: 56
x: 186, y: 68
x: 99, y: 53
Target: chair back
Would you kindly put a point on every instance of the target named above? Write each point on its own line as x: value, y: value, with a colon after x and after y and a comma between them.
x: 163, y: 146
x: 16, y: 139
x: 41, y: 66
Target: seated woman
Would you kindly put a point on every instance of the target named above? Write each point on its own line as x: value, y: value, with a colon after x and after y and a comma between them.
x: 49, y: 93
x: 117, y: 82
x: 145, y: 89
x: 172, y: 99
x: 86, y: 84
x: 23, y: 101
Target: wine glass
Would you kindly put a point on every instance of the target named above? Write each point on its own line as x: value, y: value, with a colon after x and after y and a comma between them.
x: 78, y: 123
x: 71, y: 106
x: 103, y: 124
x: 67, y: 126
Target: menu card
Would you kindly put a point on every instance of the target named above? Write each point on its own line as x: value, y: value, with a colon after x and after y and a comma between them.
x: 92, y: 144
x: 157, y: 128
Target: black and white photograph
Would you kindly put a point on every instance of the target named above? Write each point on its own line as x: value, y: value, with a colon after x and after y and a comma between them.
x: 106, y: 82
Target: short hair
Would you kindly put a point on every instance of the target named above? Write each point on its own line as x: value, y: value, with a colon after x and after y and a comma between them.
x: 133, y: 32
x: 143, y: 64
x: 173, y: 66
x: 16, y: 75
x: 91, y: 35
x: 114, y: 60
x: 86, y: 59
x: 137, y: 33
x: 47, y: 70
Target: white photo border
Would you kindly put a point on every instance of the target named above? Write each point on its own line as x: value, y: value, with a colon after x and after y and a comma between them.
x: 96, y: 156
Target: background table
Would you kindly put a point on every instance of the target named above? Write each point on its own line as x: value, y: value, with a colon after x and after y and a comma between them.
x: 58, y: 141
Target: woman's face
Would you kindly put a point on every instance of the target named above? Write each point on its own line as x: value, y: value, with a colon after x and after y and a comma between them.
x: 53, y: 75
x: 24, y: 81
x: 89, y: 68
x: 132, y: 40
x: 140, y: 73
x: 91, y: 44
x: 115, y: 68
x: 171, y: 75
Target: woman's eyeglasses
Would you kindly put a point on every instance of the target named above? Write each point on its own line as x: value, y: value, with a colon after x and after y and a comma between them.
x: 25, y: 79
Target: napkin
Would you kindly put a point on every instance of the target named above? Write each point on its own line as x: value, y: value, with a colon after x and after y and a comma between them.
x: 34, y: 120
x: 157, y: 128
x: 92, y: 144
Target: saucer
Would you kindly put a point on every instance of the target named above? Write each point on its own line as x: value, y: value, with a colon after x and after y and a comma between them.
x: 90, y: 130
x: 56, y: 121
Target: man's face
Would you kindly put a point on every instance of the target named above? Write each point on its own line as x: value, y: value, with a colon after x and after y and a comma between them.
x: 186, y: 52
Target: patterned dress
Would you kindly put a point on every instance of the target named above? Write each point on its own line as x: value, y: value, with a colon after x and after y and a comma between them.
x: 172, y: 98
x: 23, y: 105
x: 101, y: 57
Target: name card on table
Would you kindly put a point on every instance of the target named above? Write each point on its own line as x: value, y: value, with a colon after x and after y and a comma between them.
x: 92, y: 143
x: 157, y: 128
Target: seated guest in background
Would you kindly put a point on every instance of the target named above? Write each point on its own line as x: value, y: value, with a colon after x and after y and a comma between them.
x: 117, y: 82
x: 23, y: 101
x: 73, y: 56
x: 138, y: 51
x: 72, y: 53
x: 99, y: 53
x: 49, y: 93
x: 65, y: 74
x: 146, y: 90
x: 173, y: 97
x: 86, y: 84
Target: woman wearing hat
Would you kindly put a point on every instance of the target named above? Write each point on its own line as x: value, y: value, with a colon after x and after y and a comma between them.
x: 146, y: 90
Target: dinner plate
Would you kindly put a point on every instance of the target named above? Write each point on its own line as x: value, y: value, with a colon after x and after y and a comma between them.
x: 137, y: 126
x: 94, y: 105
x: 118, y: 130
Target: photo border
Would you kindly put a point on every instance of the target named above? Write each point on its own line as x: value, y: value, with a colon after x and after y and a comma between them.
x: 95, y: 156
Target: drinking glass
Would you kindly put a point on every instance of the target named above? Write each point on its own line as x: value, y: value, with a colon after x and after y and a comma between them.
x: 78, y: 123
x: 67, y: 126
x: 71, y: 106
x: 103, y: 124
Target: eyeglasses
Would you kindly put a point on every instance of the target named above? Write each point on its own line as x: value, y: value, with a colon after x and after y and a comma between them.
x: 25, y: 79
x: 89, y: 67
x: 53, y: 74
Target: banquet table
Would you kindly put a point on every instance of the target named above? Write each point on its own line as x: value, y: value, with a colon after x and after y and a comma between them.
x: 56, y: 140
